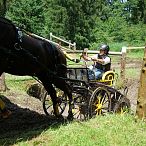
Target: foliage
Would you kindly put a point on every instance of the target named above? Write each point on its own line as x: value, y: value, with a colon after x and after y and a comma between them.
x: 27, y: 14
x: 88, y: 23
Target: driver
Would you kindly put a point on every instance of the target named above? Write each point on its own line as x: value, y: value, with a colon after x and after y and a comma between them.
x: 102, y: 62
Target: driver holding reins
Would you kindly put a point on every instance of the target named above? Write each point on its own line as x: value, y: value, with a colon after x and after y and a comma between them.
x: 102, y: 62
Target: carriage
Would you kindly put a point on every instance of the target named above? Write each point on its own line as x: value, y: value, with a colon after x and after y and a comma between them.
x: 90, y: 97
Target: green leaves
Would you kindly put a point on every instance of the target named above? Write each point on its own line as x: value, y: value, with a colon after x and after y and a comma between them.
x: 28, y: 14
x: 86, y: 22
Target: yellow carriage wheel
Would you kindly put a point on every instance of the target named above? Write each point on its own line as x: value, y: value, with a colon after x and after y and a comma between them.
x: 100, y: 102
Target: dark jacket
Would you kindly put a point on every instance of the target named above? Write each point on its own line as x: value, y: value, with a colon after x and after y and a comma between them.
x: 105, y: 67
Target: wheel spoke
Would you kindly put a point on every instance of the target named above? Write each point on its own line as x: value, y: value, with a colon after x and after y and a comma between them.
x: 60, y: 107
x: 80, y: 97
x: 100, y: 102
x: 48, y: 104
x: 77, y: 111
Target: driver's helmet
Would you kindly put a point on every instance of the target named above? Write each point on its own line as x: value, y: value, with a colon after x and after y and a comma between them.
x: 105, y: 48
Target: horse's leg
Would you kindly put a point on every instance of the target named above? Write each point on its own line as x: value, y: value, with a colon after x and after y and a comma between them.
x: 51, y: 91
x: 61, y: 84
x: 4, y: 112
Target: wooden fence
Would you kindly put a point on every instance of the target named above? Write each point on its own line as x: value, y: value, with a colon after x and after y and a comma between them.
x: 74, y: 51
x: 70, y: 45
x: 135, y: 48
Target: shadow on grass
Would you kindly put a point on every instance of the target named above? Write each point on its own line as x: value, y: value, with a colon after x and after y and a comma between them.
x: 24, y: 124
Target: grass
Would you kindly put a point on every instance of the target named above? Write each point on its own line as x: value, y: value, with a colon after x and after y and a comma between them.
x: 18, y: 83
x: 110, y: 130
x: 135, y: 54
x: 117, y: 46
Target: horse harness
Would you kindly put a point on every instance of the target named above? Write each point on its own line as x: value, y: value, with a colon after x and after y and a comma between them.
x: 18, y: 47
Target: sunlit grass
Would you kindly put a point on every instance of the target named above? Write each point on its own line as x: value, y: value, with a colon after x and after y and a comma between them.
x: 18, y: 83
x: 137, y: 54
x: 109, y: 130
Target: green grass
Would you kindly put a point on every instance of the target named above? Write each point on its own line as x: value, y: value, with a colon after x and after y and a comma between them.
x: 133, y: 73
x: 117, y: 46
x: 18, y: 83
x: 135, y: 54
x: 110, y: 130
x: 113, y: 46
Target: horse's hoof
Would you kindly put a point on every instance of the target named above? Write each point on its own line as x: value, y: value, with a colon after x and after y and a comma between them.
x: 60, y: 119
x: 59, y: 116
x: 70, y: 117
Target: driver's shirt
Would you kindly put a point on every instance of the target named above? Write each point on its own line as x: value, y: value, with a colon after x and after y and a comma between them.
x: 106, y: 59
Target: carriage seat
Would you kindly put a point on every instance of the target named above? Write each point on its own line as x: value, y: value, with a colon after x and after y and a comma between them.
x: 108, y: 78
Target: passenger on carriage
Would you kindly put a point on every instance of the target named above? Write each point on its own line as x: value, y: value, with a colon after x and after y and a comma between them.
x: 102, y: 62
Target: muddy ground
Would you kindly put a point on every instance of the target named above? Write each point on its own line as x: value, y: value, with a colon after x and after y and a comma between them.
x: 28, y: 114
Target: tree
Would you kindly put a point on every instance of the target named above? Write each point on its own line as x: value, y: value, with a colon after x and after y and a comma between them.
x: 3, y: 7
x: 80, y: 21
x: 28, y: 15
x: 55, y: 18
x: 141, y: 100
x: 86, y: 22
x: 3, y: 86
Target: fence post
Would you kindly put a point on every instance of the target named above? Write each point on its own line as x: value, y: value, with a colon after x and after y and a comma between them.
x: 123, y: 63
x: 50, y: 36
x: 141, y: 100
x: 69, y: 43
x: 74, y: 46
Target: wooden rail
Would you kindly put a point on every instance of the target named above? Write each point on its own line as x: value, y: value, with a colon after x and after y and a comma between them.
x: 135, y: 48
x: 61, y: 40
x: 93, y: 52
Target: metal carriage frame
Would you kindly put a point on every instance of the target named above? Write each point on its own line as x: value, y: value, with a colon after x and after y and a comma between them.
x: 90, y: 97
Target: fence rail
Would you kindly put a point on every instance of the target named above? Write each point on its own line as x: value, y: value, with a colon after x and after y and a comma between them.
x: 60, y: 39
x: 134, y: 48
x: 94, y: 52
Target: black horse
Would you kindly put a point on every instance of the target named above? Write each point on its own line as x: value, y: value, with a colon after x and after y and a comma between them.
x: 22, y: 54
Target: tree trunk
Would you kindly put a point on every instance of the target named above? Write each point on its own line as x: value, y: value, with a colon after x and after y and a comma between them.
x: 141, y: 101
